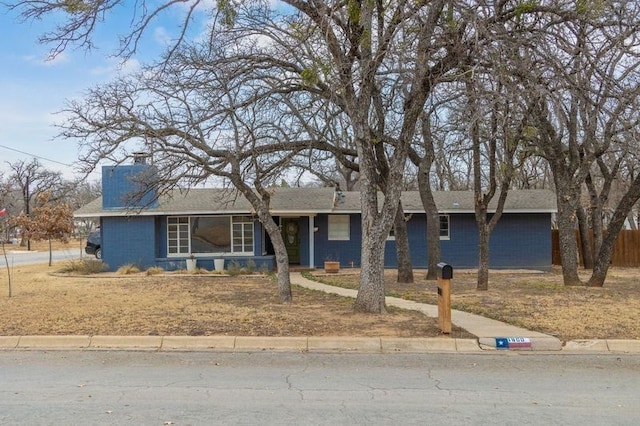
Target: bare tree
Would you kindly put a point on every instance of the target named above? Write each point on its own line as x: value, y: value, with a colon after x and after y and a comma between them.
x: 345, y: 54
x: 584, y: 77
x: 630, y: 194
x: 495, y: 146
x: 199, y: 120
x: 32, y: 179
x: 424, y: 163
x: 78, y: 193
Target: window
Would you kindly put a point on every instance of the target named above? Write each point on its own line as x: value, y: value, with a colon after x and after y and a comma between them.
x: 339, y: 227
x: 209, y: 235
x: 242, y: 234
x: 444, y: 226
x: 178, y: 235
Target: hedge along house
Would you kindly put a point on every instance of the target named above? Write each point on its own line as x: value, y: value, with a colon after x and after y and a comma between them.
x: 318, y: 224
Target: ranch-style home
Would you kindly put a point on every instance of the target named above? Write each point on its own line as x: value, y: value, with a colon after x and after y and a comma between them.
x: 318, y: 224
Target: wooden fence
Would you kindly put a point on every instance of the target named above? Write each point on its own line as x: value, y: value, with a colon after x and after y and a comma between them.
x: 626, y: 251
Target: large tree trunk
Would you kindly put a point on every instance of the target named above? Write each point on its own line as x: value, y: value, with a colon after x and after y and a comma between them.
x: 483, y: 241
x: 403, y: 252
x: 371, y: 297
x: 371, y: 294
x: 433, y: 234
x: 585, y: 240
x: 601, y: 266
x: 483, y: 257
x: 597, y: 207
x: 567, y: 201
x: 261, y: 206
x: 282, y: 259
x: 598, y: 227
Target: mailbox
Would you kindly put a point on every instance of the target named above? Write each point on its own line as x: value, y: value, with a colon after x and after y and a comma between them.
x: 445, y: 273
x: 445, y: 270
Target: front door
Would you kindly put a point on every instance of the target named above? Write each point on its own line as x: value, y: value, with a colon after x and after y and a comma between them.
x: 291, y: 235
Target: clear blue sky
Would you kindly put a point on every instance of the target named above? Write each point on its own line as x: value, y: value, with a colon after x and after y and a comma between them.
x: 34, y: 89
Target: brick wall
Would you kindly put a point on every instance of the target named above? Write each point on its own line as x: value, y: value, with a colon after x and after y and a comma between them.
x: 127, y: 186
x: 128, y: 240
x: 520, y: 241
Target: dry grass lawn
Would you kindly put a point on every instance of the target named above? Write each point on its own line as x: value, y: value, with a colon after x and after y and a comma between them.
x: 180, y: 304
x: 537, y: 301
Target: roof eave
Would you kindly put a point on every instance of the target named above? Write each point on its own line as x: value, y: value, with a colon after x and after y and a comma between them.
x: 124, y: 213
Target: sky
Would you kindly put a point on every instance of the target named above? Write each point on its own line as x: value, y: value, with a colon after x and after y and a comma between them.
x: 33, y: 90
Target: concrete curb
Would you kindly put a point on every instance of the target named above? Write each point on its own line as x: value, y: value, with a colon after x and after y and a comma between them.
x: 240, y: 343
x: 341, y: 344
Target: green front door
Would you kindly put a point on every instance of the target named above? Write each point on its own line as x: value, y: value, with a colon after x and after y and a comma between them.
x: 291, y: 235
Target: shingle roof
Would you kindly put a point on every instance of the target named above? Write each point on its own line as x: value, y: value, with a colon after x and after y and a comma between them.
x: 224, y: 201
x: 523, y: 201
x: 305, y: 201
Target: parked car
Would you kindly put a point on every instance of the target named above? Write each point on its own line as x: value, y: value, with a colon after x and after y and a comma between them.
x: 93, y: 244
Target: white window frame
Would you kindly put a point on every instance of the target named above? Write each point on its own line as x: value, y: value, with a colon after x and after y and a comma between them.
x: 243, y: 225
x: 448, y: 229
x: 182, y: 231
x: 339, y: 227
x: 181, y: 226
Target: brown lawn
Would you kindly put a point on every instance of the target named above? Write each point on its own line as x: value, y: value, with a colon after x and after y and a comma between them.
x: 208, y: 304
x: 537, y: 301
x: 179, y: 304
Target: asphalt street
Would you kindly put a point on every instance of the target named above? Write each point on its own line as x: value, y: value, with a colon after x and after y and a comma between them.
x: 22, y: 257
x: 196, y: 388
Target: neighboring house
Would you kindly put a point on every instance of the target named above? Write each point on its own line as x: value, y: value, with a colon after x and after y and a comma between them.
x: 317, y: 224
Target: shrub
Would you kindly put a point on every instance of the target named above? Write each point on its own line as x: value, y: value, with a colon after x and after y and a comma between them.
x: 234, y: 268
x: 128, y: 269
x: 251, y: 266
x: 265, y: 270
x: 155, y: 270
x: 84, y: 267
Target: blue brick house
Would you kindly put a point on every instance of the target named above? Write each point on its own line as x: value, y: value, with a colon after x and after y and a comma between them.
x: 138, y: 227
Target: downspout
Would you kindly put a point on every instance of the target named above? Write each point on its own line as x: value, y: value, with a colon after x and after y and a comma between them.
x: 311, y: 242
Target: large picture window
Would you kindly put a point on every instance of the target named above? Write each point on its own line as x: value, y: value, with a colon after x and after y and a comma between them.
x: 209, y: 235
x: 339, y: 227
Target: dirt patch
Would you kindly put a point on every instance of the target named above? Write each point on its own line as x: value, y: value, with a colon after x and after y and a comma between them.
x: 180, y: 304
x: 536, y: 301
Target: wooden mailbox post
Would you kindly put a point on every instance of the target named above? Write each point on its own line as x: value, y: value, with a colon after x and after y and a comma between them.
x: 445, y: 274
